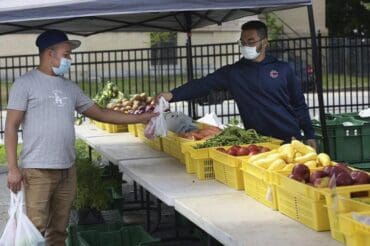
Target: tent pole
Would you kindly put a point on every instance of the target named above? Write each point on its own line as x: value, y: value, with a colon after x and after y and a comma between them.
x: 318, y: 77
x: 189, y: 62
x: 190, y: 76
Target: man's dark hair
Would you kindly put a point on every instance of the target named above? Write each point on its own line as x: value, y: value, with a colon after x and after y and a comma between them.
x: 259, y: 26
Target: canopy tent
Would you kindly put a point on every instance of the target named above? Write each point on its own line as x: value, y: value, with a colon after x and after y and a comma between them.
x: 94, y: 16
x: 89, y: 17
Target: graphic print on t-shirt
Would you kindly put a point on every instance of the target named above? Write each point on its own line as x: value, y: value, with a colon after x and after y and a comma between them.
x: 59, y: 98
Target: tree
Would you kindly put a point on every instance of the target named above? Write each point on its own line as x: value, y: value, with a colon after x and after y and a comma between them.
x: 348, y: 17
x: 275, y: 30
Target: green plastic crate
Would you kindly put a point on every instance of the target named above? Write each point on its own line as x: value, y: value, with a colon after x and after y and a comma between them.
x: 346, y: 143
x: 73, y: 230
x: 114, y: 235
x: 361, y: 166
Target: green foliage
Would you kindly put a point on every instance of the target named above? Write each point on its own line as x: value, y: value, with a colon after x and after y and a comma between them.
x: 345, y: 16
x: 109, y: 92
x: 233, y: 135
x: 162, y: 39
x: 274, y: 29
x: 92, y: 190
x: 3, y: 160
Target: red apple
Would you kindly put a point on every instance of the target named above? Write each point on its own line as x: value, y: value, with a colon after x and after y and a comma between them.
x: 303, y: 171
x: 360, y: 177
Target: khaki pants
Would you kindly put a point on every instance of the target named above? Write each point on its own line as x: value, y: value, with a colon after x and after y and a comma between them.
x: 49, y: 197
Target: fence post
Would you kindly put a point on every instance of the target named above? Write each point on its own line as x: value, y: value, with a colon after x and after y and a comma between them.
x: 318, y: 77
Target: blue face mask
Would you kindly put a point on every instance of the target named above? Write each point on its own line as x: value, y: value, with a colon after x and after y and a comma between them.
x: 64, y: 66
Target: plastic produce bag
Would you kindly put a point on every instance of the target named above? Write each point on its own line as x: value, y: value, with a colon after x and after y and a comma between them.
x: 157, y: 126
x: 179, y: 122
x: 8, y: 237
x: 19, y: 230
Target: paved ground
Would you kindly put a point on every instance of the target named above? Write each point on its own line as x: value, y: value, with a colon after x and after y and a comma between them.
x: 4, y: 199
x: 163, y: 230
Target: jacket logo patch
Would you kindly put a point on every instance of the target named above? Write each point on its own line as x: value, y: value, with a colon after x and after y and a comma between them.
x: 274, y: 74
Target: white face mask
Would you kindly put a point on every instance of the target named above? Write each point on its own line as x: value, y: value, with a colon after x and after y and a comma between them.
x: 249, y: 53
x: 64, y: 66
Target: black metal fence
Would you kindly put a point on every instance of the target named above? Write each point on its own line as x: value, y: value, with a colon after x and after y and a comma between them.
x: 345, y: 63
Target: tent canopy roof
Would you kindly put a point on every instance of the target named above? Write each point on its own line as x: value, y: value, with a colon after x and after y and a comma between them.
x: 89, y: 17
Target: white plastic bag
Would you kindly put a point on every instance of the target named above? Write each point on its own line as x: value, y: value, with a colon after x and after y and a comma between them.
x: 8, y: 237
x: 20, y: 231
x: 157, y: 126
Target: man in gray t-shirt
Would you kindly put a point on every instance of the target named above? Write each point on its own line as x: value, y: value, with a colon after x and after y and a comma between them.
x: 44, y: 103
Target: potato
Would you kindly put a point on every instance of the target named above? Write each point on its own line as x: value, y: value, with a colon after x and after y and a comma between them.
x: 110, y: 105
x: 149, y: 99
x: 137, y: 97
x: 128, y: 107
x: 116, y: 108
x: 143, y: 96
x: 135, y: 107
x: 136, y: 103
x: 126, y: 103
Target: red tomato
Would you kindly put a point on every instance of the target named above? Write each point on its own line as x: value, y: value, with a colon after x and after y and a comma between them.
x: 232, y: 151
x: 253, y: 148
x: 264, y: 149
x: 253, y: 152
x: 242, y: 151
x: 221, y: 149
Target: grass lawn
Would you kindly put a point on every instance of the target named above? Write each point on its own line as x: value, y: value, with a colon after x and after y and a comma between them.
x: 335, y: 81
x: 155, y: 84
x: 81, y: 151
x: 3, y: 160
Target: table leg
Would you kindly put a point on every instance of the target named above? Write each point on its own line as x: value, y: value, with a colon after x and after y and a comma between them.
x: 142, y: 196
x: 90, y: 152
x: 211, y: 241
x: 176, y: 225
x: 159, y: 215
x: 147, y: 196
x: 135, y: 191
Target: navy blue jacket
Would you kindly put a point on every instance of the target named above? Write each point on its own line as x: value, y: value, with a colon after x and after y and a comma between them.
x: 267, y: 93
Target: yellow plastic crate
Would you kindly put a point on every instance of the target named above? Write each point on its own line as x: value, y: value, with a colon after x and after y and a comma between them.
x: 342, y: 203
x: 198, y: 161
x: 99, y: 124
x: 354, y: 232
x: 259, y: 184
x: 114, y: 128
x: 176, y: 147
x: 227, y: 167
x: 309, y: 205
x: 167, y: 145
x: 132, y: 129
x: 301, y: 202
x: 111, y: 128
x: 176, y: 150
x: 156, y: 143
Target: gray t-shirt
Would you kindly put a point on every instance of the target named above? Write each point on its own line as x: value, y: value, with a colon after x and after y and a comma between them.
x: 49, y: 103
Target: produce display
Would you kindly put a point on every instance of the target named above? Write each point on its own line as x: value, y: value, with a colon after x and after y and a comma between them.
x: 233, y: 135
x: 237, y: 150
x: 288, y: 155
x: 137, y: 104
x: 201, y: 134
x: 338, y: 175
x: 109, y: 92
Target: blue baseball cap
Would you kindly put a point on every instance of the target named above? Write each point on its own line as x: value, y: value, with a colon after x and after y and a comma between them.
x: 52, y: 37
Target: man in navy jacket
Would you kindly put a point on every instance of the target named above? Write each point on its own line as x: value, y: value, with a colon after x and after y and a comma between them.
x: 268, y: 95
